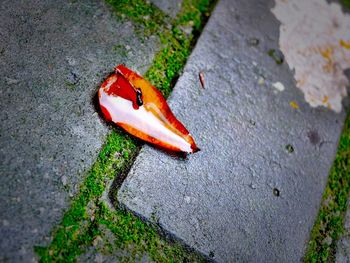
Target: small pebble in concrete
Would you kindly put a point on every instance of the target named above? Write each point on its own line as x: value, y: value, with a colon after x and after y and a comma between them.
x: 276, y: 192
x: 64, y: 180
x: 253, y: 186
x: 289, y: 148
x: 278, y: 86
x: 261, y: 80
x: 277, y: 55
x: 253, y: 41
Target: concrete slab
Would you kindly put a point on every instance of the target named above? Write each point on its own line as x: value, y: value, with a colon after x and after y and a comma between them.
x: 53, y: 55
x: 169, y: 7
x: 253, y: 191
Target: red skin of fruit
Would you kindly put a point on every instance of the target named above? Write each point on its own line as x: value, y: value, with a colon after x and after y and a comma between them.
x: 130, y: 86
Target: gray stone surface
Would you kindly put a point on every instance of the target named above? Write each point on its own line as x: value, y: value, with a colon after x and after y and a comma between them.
x: 169, y: 7
x: 253, y: 191
x: 343, y: 245
x: 53, y: 56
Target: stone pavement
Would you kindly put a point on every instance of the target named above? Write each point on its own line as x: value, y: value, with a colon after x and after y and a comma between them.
x: 53, y: 55
x: 253, y: 191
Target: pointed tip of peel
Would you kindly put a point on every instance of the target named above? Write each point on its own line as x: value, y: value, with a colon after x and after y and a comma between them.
x: 195, y: 148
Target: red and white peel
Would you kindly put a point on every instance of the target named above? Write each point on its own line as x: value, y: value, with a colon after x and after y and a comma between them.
x: 134, y: 104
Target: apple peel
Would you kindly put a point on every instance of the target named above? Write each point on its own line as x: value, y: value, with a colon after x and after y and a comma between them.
x: 133, y: 103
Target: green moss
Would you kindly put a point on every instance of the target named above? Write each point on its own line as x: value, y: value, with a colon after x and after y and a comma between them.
x: 82, y: 222
x: 194, y: 12
x: 143, y: 14
x: 169, y: 62
x: 76, y: 229
x: 329, y: 223
x: 137, y: 237
x: 346, y: 3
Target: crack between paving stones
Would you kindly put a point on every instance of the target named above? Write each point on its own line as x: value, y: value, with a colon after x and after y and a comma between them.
x: 72, y: 247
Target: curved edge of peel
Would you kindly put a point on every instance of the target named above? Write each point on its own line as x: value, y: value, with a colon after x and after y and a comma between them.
x: 153, y: 102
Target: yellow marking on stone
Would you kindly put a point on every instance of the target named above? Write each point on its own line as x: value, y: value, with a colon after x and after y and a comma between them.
x: 327, y: 53
x: 325, y: 99
x: 344, y: 44
x: 294, y: 105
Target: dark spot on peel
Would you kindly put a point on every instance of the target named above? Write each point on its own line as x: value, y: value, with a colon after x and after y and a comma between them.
x: 139, y: 100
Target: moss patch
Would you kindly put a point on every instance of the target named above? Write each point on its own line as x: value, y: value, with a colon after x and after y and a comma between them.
x: 81, y: 223
x: 346, y: 3
x: 329, y: 223
x: 76, y: 230
x: 146, y: 16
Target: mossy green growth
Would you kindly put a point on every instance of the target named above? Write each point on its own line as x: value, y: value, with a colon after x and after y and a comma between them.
x: 169, y: 62
x: 345, y: 3
x: 142, y: 14
x: 138, y: 238
x: 329, y: 223
x: 193, y: 13
x: 81, y: 223
x: 76, y: 230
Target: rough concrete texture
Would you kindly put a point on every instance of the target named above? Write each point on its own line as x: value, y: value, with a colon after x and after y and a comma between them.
x: 343, y: 245
x: 169, y: 7
x: 253, y: 191
x: 53, y: 56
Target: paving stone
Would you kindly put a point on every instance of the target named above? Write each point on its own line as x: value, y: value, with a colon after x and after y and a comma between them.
x: 169, y: 7
x: 253, y: 191
x: 53, y: 56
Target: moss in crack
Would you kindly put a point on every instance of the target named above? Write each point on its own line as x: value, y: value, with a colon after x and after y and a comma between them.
x: 329, y: 223
x: 81, y: 222
x: 76, y: 230
x: 169, y: 62
x: 346, y: 3
x: 145, y: 15
x: 138, y: 238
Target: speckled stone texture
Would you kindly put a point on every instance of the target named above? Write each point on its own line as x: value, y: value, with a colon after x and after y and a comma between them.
x: 171, y: 8
x: 253, y: 191
x: 53, y: 56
